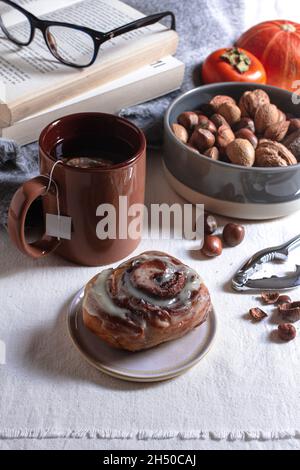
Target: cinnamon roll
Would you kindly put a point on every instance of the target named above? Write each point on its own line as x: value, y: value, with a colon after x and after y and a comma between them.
x: 147, y: 300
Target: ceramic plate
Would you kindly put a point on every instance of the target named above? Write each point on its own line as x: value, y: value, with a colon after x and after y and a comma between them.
x: 163, y: 362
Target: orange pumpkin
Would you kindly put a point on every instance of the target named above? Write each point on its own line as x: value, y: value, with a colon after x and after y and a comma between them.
x: 277, y: 45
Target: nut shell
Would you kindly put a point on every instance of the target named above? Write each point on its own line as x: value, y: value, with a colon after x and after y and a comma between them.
x: 277, y: 131
x: 241, y: 152
x: 265, y: 117
x: 251, y: 101
x: 269, y: 153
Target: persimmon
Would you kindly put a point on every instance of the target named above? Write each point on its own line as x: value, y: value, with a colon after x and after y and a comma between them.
x: 233, y: 65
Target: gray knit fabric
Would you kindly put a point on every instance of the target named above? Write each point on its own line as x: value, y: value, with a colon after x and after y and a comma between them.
x: 203, y: 26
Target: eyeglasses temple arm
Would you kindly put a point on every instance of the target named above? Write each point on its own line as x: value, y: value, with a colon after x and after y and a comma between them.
x: 140, y: 23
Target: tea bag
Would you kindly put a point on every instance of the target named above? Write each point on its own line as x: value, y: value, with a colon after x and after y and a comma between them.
x: 86, y: 162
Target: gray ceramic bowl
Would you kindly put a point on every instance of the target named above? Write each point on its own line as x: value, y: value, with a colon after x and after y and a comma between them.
x: 231, y: 190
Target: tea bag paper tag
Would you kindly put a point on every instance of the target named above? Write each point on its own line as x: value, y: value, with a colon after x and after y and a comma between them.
x: 58, y: 226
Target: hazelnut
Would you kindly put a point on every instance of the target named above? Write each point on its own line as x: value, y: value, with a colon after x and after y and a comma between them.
x: 277, y: 131
x: 265, y: 116
x: 212, y: 246
x: 188, y: 119
x: 290, y: 311
x: 218, y: 120
x: 241, y: 152
x: 205, y: 123
x: 251, y: 101
x: 294, y: 125
x: 248, y: 135
x: 180, y: 132
x: 286, y: 331
x: 233, y: 234
x: 231, y: 112
x: 224, y: 137
x: 191, y: 147
x: 212, y: 153
x: 202, y: 139
x: 218, y: 100
x: 245, y: 123
x: 210, y: 224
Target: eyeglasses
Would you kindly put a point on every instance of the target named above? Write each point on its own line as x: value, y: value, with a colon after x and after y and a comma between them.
x: 73, y: 45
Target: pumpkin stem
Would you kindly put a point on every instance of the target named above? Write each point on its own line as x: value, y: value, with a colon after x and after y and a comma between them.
x: 237, y: 59
x: 288, y: 27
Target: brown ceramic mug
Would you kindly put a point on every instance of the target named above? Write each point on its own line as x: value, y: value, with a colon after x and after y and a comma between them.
x: 81, y: 190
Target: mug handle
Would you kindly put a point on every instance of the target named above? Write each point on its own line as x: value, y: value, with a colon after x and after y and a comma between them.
x: 19, y: 206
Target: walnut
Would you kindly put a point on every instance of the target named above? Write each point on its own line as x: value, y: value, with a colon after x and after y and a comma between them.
x: 277, y: 131
x: 230, y: 112
x: 269, y: 153
x: 241, y: 152
x: 292, y: 142
x: 266, y: 116
x: 251, y: 101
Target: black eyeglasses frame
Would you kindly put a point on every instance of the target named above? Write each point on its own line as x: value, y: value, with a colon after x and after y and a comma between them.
x: 98, y: 37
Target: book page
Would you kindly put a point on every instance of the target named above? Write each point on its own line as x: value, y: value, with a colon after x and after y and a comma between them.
x: 27, y: 69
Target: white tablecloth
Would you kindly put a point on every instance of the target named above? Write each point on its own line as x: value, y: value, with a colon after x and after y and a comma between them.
x: 243, y: 394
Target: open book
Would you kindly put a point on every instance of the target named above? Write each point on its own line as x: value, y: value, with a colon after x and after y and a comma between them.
x: 32, y: 80
x: 144, y: 84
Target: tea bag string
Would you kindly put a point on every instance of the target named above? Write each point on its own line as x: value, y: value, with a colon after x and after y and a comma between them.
x: 47, y: 189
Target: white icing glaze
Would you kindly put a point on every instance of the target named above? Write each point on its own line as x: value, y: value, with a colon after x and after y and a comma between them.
x: 193, y: 283
x: 100, y: 297
x: 103, y: 299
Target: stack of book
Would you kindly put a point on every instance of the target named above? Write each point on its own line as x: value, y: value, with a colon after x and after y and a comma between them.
x: 35, y: 89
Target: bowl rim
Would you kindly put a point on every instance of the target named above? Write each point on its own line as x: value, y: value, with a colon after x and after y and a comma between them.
x: 233, y: 166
